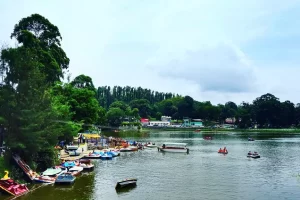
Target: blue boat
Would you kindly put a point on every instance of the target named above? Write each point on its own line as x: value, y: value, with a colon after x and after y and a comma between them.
x: 68, y: 164
x: 65, y: 178
x: 106, y: 156
x: 113, y: 154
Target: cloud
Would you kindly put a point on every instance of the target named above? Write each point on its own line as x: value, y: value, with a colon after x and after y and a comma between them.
x: 222, y: 68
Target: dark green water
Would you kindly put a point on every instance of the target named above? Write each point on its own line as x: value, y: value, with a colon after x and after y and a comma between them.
x: 202, y: 174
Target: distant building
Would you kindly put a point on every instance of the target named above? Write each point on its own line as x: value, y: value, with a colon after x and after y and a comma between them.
x: 159, y: 123
x: 144, y: 121
x: 166, y: 118
x: 188, y: 122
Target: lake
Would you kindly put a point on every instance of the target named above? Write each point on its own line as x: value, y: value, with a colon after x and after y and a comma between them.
x: 201, y: 174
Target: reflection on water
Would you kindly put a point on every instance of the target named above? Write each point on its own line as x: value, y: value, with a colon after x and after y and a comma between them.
x: 202, y: 174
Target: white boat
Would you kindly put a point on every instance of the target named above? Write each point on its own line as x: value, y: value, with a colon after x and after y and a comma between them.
x: 150, y: 145
x: 71, y: 147
x: 174, y: 147
x: 76, y: 170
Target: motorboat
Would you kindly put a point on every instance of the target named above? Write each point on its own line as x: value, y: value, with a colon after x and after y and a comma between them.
x: 126, y: 183
x: 65, y: 178
x: 250, y: 139
x: 11, y: 187
x: 253, y: 155
x: 174, y: 147
x: 76, y: 170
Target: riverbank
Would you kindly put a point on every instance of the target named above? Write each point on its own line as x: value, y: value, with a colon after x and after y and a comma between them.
x: 221, y: 130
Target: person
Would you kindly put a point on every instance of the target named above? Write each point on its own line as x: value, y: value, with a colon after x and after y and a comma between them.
x: 249, y: 153
x: 220, y: 150
x: 163, y: 146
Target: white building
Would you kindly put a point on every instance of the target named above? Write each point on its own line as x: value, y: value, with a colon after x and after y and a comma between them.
x: 166, y: 118
x: 159, y: 123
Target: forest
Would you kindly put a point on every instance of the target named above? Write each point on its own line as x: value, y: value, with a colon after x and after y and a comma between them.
x: 40, y: 105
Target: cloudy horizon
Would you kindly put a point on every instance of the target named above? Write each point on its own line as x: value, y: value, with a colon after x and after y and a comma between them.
x: 211, y: 50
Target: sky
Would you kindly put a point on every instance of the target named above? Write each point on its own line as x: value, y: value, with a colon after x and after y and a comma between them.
x: 211, y: 50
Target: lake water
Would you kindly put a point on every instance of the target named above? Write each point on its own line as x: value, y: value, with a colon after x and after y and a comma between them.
x: 202, y: 174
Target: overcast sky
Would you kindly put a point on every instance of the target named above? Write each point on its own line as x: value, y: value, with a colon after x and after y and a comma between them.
x: 212, y: 50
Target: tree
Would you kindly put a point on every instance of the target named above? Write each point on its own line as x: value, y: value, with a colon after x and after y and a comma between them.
x: 143, y: 105
x: 83, y: 81
x: 114, y: 116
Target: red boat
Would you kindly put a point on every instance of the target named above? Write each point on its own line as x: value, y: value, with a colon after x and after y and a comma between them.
x: 12, y: 187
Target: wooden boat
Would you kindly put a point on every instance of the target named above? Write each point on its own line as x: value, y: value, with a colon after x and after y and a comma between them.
x: 75, y: 171
x: 65, y: 178
x: 11, y: 187
x: 126, y: 183
x: 174, y: 147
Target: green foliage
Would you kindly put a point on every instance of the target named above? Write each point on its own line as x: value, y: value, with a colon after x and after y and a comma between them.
x: 114, y: 116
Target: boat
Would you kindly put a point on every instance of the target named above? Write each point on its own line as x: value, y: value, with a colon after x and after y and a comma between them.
x: 26, y: 169
x: 207, y: 138
x: 76, y: 170
x: 151, y: 145
x: 65, y: 178
x: 128, y: 149
x: 11, y: 187
x: 223, y: 151
x: 174, y: 147
x: 253, y: 155
x: 71, y: 147
x: 250, y: 139
x: 197, y: 130
x: 126, y: 183
x: 74, y: 152
x: 50, y: 175
x: 68, y: 164
x: 93, y: 156
x: 85, y: 164
x: 105, y: 156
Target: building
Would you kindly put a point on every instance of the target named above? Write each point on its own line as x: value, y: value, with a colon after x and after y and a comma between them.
x: 188, y: 122
x: 159, y: 123
x: 144, y: 121
x: 166, y: 118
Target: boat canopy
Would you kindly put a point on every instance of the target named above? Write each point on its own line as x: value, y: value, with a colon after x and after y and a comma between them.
x: 91, y: 135
x: 51, y: 171
x: 174, y: 144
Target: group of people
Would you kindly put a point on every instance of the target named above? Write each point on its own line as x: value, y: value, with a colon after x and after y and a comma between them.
x: 254, y: 153
x: 223, y: 150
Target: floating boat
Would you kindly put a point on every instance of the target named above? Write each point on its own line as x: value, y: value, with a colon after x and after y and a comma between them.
x: 197, y: 130
x: 93, y: 156
x: 223, y: 152
x: 174, y: 147
x: 207, y: 138
x: 105, y: 156
x: 65, y: 178
x: 128, y: 149
x: 74, y: 152
x: 11, y: 187
x: 250, y: 139
x: 26, y: 169
x: 50, y: 175
x: 68, y: 164
x: 85, y: 164
x: 151, y: 145
x: 126, y: 183
x: 253, y: 155
x: 75, y: 171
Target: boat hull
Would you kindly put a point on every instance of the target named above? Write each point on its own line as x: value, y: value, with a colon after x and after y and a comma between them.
x: 126, y: 183
x: 13, y: 188
x: 185, y: 150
